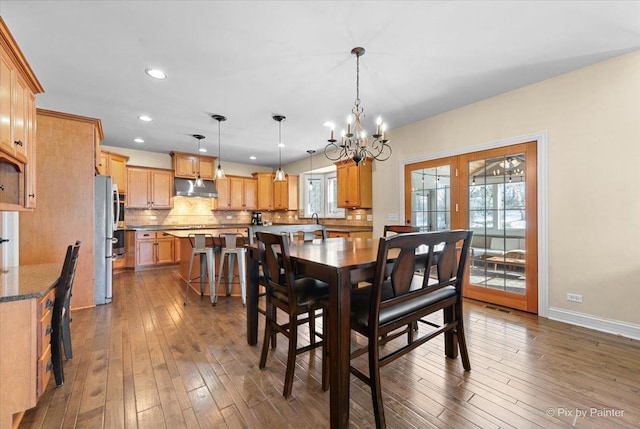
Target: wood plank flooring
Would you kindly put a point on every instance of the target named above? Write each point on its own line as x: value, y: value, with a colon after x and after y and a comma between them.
x: 147, y: 361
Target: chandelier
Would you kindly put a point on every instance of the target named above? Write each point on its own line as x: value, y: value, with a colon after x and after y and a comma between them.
x: 279, y: 176
x: 199, y: 182
x: 219, y: 171
x: 510, y: 168
x: 354, y: 143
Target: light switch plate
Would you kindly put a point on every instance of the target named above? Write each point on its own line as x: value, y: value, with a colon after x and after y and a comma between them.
x: 392, y: 216
x: 369, y: 218
x: 358, y: 217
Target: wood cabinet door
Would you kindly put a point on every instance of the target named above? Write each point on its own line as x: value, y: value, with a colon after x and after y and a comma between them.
x: 185, y: 166
x: 236, y: 191
x: 30, y: 202
x: 161, y: 189
x: 280, y: 195
x: 19, y: 117
x: 342, y: 177
x: 6, y: 94
x: 250, y: 187
x: 164, y: 249
x: 207, y: 168
x: 265, y: 191
x: 223, y: 201
x: 145, y: 252
x: 118, y: 171
x: 138, y: 187
x: 103, y: 164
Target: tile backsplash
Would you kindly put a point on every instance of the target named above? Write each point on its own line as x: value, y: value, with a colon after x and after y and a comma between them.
x: 198, y: 211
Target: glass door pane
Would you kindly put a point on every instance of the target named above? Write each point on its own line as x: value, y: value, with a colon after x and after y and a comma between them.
x: 497, y: 217
x: 431, y: 198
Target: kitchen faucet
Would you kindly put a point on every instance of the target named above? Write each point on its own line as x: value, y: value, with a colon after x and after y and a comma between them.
x: 315, y: 215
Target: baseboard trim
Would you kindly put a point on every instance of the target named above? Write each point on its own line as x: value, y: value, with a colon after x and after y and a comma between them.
x: 624, y: 329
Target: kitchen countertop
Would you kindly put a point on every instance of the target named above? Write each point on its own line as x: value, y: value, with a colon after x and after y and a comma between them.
x: 341, y: 228
x: 338, y: 228
x: 28, y: 281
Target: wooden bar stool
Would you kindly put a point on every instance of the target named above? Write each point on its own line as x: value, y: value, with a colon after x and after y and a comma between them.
x: 231, y: 250
x: 208, y: 259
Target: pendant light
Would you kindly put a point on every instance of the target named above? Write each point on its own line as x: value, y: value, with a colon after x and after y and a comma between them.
x: 311, y: 152
x: 279, y: 176
x: 199, y: 182
x: 219, y: 171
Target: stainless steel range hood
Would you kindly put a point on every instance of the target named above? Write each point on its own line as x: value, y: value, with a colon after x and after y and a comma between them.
x: 186, y: 188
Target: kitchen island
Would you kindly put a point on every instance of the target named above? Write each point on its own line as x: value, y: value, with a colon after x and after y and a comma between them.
x: 26, y: 303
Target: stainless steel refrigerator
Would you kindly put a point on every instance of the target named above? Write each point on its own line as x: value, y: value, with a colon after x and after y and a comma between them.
x: 106, y: 222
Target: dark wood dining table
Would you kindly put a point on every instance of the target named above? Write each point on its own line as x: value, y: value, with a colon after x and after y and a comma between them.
x: 339, y: 262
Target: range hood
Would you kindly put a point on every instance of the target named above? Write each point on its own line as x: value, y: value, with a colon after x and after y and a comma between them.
x: 186, y: 188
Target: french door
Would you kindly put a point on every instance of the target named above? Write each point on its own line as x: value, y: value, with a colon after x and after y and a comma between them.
x: 494, y: 194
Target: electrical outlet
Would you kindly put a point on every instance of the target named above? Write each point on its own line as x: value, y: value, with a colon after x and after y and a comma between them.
x: 153, y: 217
x: 574, y: 297
x: 349, y: 217
x: 358, y: 217
x: 229, y: 217
x: 392, y: 216
x: 369, y: 218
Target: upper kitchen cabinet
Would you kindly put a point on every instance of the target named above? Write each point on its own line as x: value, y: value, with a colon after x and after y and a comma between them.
x: 276, y: 195
x: 18, y: 87
x: 354, y: 184
x: 149, y: 188
x: 187, y: 165
x: 236, y: 193
x: 114, y: 165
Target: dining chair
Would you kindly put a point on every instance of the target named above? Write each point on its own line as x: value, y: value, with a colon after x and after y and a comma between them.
x: 60, y: 318
x: 295, y: 296
x: 405, y: 290
x: 398, y: 229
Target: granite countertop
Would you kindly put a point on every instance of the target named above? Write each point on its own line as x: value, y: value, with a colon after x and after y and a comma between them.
x: 28, y: 281
x: 349, y: 228
x: 184, y: 227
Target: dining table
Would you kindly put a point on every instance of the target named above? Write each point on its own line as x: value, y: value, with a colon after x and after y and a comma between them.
x: 340, y: 262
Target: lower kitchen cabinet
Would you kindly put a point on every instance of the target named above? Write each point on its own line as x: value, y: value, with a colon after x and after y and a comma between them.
x: 348, y: 234
x: 154, y: 248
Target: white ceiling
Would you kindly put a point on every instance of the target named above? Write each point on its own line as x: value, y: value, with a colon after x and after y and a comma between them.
x: 249, y: 60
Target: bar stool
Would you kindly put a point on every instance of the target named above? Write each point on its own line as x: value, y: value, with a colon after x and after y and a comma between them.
x: 207, y: 257
x: 230, y: 248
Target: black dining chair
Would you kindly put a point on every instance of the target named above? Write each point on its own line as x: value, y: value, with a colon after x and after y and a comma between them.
x: 60, y: 318
x: 416, y: 274
x: 296, y: 296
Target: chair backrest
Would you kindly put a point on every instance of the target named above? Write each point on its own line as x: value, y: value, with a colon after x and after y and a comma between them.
x: 404, y: 267
x: 276, y: 263
x: 65, y: 282
x: 310, y: 230
x: 399, y: 229
x: 230, y: 240
x: 199, y: 241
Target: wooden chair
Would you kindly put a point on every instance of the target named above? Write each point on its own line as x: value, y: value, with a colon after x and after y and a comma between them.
x: 401, y: 296
x: 294, y: 296
x: 60, y: 319
x: 399, y: 229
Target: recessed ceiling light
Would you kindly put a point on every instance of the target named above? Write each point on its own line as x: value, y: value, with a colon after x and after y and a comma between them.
x: 280, y: 144
x: 202, y: 149
x: 145, y: 118
x: 156, y: 74
x: 138, y: 140
x: 252, y: 157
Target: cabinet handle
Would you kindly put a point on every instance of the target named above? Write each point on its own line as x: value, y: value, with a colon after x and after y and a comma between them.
x: 145, y: 235
x: 18, y: 142
x: 48, y: 304
x: 49, y: 367
x: 31, y: 195
x: 49, y: 330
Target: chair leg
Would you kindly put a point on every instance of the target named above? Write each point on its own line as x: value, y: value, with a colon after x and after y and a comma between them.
x: 56, y: 358
x: 462, y: 342
x: 223, y: 256
x: 242, y: 271
x: 450, y: 338
x: 291, y: 357
x: 312, y: 326
x: 211, y: 267
x: 66, y: 335
x: 374, y: 384
x: 268, y: 334
x: 186, y: 292
x: 232, y: 259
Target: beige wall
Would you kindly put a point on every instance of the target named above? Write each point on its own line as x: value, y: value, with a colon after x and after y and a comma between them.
x: 592, y: 117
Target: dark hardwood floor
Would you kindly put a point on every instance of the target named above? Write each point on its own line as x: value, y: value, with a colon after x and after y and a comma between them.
x: 146, y: 361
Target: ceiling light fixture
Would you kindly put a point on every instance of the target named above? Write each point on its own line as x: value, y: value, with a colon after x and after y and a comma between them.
x: 199, y: 182
x: 252, y: 158
x: 279, y: 176
x: 156, y: 73
x: 145, y: 118
x: 311, y: 152
x: 354, y: 143
x: 138, y: 140
x: 219, y: 170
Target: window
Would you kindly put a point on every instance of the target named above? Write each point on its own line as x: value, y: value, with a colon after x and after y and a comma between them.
x: 320, y: 195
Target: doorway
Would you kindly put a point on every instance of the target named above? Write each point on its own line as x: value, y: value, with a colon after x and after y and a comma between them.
x: 494, y: 193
